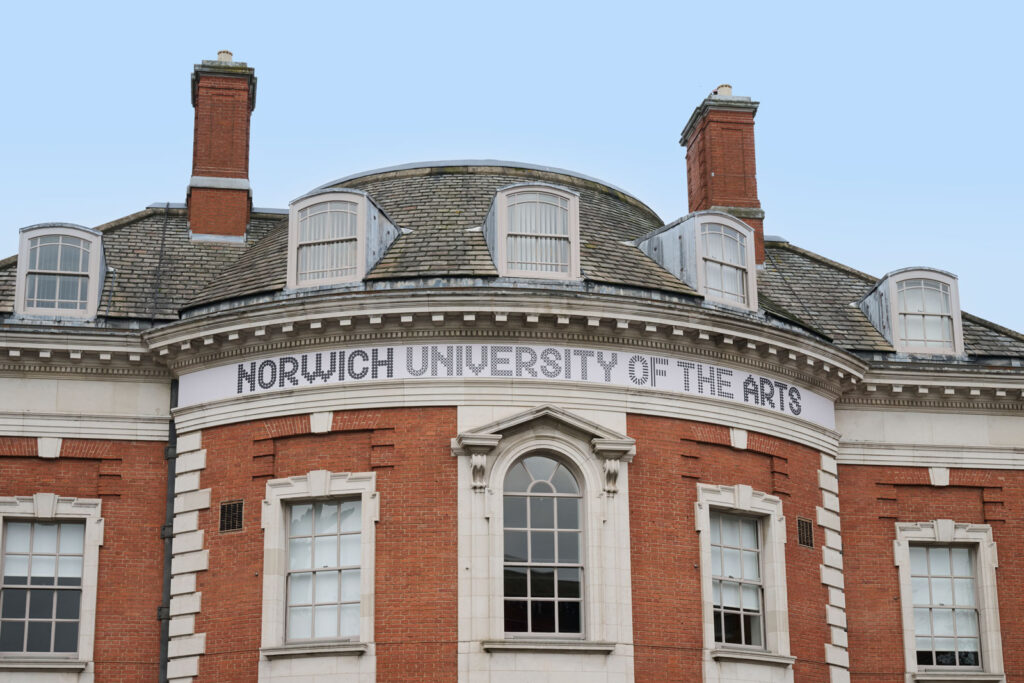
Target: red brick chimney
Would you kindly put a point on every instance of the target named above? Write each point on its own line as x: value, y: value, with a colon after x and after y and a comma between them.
x: 720, y: 169
x: 219, y: 196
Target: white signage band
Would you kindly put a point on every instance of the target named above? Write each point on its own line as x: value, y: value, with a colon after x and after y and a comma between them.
x: 515, y: 361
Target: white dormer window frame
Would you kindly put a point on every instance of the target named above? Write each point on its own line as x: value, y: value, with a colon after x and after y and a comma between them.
x: 304, y: 209
x: 934, y: 280
x: 68, y: 241
x: 504, y: 231
x: 730, y: 229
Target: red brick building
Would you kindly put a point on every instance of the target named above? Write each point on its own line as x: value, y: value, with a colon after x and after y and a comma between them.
x: 483, y: 421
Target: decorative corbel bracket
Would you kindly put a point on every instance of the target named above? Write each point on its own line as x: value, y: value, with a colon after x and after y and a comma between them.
x: 612, y: 452
x: 477, y: 447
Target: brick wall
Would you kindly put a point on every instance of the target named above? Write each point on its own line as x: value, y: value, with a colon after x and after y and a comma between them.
x: 672, y: 456
x: 130, y: 477
x: 416, y: 581
x: 873, y: 499
x: 218, y: 212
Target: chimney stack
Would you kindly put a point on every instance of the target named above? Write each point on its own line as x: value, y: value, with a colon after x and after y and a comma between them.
x: 219, y: 196
x: 720, y: 169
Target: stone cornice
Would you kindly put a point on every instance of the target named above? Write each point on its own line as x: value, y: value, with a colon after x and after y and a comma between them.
x: 953, y: 388
x: 71, y: 353
x: 403, y: 316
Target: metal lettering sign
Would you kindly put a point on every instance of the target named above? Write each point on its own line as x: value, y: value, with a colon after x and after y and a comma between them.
x: 513, y: 361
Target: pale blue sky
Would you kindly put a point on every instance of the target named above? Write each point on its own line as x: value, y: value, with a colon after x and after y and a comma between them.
x: 889, y: 134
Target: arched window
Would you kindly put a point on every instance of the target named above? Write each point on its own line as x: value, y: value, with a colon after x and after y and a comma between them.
x: 543, y: 554
x: 725, y: 262
x: 925, y: 314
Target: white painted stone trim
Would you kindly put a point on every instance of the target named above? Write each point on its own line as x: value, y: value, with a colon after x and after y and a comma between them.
x: 986, y: 560
x: 836, y: 651
x: 606, y: 649
x: 79, y: 426
x: 48, y: 446
x: 45, y: 506
x: 742, y: 498
x: 188, y: 557
x: 335, y: 656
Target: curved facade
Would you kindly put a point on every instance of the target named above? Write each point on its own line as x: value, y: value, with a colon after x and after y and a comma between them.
x: 479, y: 420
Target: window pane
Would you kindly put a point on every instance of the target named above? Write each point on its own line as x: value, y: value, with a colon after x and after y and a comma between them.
x: 918, y: 560
x: 45, y: 540
x: 922, y: 621
x: 568, y: 547
x: 351, y: 516
x: 302, y: 520
x: 515, y: 511
x: 39, y: 633
x: 12, y: 636
x: 515, y: 582
x: 516, y: 616
x: 964, y: 592
x: 730, y: 594
x: 542, y: 546
x: 968, y: 652
x: 16, y: 538
x: 349, y: 621
x: 730, y: 530
x: 65, y: 637
x: 569, y: 583
x: 942, y: 622
x: 300, y: 555
x: 942, y: 591
x: 542, y: 513
x: 325, y: 621
x: 540, y: 467
x: 326, y: 518
x: 326, y: 587
x: 515, y: 546
x: 731, y: 563
x: 351, y: 549
x: 966, y: 622
x: 919, y: 585
x: 325, y: 552
x: 300, y: 622
x: 731, y: 629
x: 69, y: 571
x: 71, y: 538
x: 751, y: 568
x: 68, y: 604
x: 568, y: 513
x: 752, y: 598
x: 517, y: 479
x: 752, y: 629
x: 569, y: 617
x: 40, y: 604
x: 43, y: 570
x: 564, y: 482
x: 716, y: 561
x: 542, y: 583
x: 351, y: 589
x: 748, y: 535
x: 938, y: 561
x: 13, y: 602
x: 542, y: 616
x: 16, y: 569
x: 300, y: 589
x: 961, y: 562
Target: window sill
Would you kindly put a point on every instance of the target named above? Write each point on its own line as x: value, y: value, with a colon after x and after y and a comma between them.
x: 337, y: 648
x: 723, y: 654
x: 958, y: 677
x: 21, y: 663
x: 549, y: 645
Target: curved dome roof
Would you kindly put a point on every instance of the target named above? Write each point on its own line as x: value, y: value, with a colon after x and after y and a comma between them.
x: 438, y: 204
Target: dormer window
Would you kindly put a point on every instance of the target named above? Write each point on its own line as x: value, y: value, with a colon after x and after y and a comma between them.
x: 925, y: 318
x: 917, y: 310
x: 725, y: 262
x: 335, y: 237
x: 712, y: 252
x: 533, y: 231
x: 59, y: 271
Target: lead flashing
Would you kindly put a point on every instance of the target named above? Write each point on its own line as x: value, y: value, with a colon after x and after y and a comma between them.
x: 218, y: 183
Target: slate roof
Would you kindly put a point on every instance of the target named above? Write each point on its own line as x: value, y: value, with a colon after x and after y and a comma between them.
x: 159, y: 272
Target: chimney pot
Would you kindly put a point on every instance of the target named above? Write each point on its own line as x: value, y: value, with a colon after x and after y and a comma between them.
x: 724, y: 90
x: 225, y: 56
